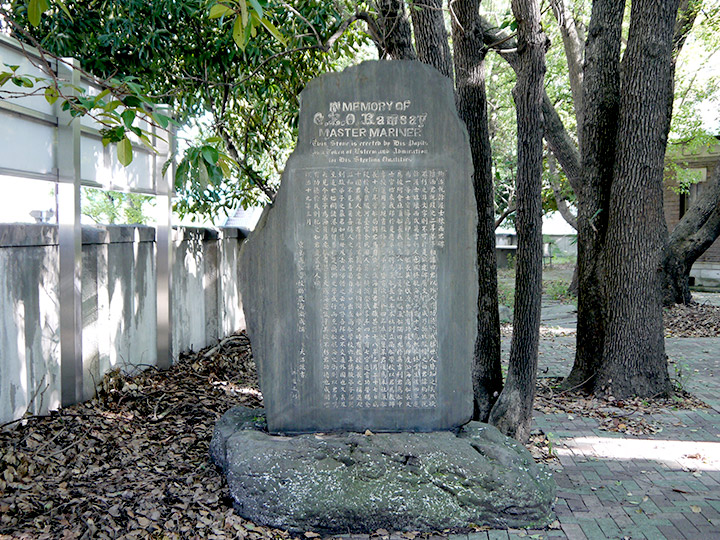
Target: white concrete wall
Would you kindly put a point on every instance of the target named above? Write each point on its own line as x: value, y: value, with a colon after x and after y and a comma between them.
x: 118, y: 305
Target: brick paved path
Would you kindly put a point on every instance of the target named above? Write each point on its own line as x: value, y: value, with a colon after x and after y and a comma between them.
x: 611, y: 485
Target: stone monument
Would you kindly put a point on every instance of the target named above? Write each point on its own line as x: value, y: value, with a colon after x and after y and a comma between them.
x: 360, y: 283
x: 359, y: 287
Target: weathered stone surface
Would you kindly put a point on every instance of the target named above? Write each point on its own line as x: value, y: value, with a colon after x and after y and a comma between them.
x: 360, y: 283
x: 350, y: 482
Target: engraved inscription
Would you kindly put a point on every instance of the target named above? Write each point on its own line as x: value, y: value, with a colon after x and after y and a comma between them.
x: 370, y: 132
x: 375, y: 236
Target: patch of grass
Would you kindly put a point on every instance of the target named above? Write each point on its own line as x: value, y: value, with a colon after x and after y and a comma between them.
x: 558, y: 290
x: 564, y: 260
x: 506, y: 294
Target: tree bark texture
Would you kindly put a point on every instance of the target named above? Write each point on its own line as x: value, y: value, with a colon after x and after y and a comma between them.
x: 395, y: 34
x: 634, y: 361
x: 560, y: 199
x: 469, y: 57
x: 602, y: 99
x: 697, y: 231
x: 512, y: 413
x: 431, y: 38
x: 559, y: 140
x: 573, y: 46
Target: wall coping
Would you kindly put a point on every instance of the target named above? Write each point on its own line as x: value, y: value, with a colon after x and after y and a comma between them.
x: 43, y: 234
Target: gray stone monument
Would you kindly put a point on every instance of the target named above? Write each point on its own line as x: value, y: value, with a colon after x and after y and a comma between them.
x: 360, y: 283
x: 360, y: 294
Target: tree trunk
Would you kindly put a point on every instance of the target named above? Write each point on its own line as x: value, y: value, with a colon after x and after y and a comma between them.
x: 395, y: 35
x: 561, y: 144
x: 602, y: 78
x: 512, y: 413
x: 560, y: 199
x: 431, y: 38
x: 471, y: 100
x: 634, y: 350
x: 573, y: 45
x: 697, y: 231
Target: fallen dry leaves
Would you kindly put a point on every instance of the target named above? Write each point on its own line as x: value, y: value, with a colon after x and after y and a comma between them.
x: 134, y: 461
x: 693, y: 320
x: 622, y: 416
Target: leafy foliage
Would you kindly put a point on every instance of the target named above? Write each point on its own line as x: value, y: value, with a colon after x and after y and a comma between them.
x: 226, y: 62
x: 110, y: 207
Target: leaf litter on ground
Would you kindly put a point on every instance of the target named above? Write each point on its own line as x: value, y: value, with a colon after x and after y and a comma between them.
x: 133, y: 462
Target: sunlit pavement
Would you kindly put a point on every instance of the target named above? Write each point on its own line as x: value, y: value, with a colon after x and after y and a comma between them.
x: 612, y: 485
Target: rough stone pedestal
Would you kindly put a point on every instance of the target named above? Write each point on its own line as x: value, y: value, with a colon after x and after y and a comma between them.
x: 351, y: 482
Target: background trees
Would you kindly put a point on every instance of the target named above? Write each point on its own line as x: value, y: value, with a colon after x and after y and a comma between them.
x: 606, y: 108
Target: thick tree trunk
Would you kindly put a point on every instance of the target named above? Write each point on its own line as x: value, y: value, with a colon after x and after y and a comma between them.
x: 431, y: 38
x: 472, y: 107
x: 602, y: 78
x: 634, y: 350
x: 512, y: 413
x: 394, y: 28
x: 697, y: 231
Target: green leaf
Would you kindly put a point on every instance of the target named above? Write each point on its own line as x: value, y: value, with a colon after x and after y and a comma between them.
x: 51, y: 94
x: 114, y: 104
x: 254, y: 22
x: 34, y: 12
x: 273, y: 30
x: 257, y: 7
x: 22, y: 81
x: 203, y: 177
x: 167, y: 164
x: 132, y: 101
x: 146, y: 141
x: 124, y: 152
x: 243, y: 11
x: 5, y: 76
x: 225, y: 168
x: 220, y: 10
x: 128, y: 116
x: 162, y: 120
x: 238, y: 34
x: 210, y: 154
x: 64, y: 8
x: 101, y: 95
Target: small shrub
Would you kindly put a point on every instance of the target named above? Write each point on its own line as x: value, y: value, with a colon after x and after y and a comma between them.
x: 558, y: 290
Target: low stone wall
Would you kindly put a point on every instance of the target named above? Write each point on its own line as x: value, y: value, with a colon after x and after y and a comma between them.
x: 118, y: 304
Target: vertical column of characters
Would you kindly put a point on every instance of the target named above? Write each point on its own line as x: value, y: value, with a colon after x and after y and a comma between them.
x: 333, y: 286
x: 368, y: 267
x: 354, y: 309
x: 415, y: 298
x: 315, y: 206
x: 441, y: 205
x: 395, y: 270
x: 337, y: 198
x: 377, y: 183
x: 298, y: 370
x: 384, y: 264
x: 325, y: 286
x: 345, y: 230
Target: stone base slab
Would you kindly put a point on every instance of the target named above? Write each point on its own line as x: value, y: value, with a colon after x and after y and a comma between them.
x: 351, y: 482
